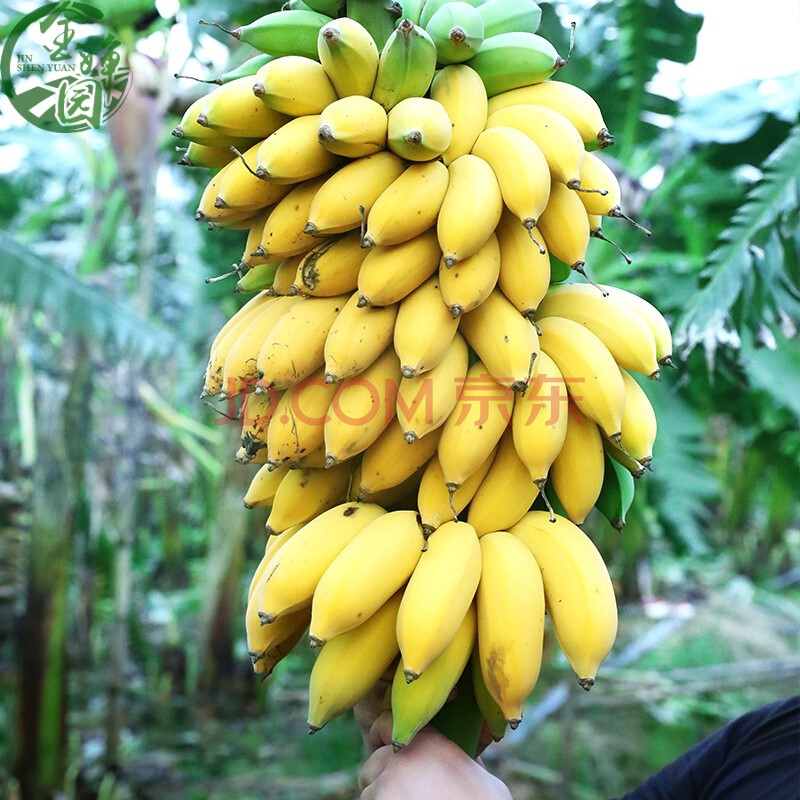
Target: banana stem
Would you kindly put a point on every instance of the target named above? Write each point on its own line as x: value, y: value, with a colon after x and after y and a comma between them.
x: 374, y: 16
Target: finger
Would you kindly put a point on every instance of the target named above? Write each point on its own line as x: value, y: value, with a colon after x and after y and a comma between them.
x: 370, y: 793
x: 373, y: 766
x: 380, y: 733
x: 368, y: 709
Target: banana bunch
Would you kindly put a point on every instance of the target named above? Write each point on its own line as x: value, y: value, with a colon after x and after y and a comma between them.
x: 420, y: 385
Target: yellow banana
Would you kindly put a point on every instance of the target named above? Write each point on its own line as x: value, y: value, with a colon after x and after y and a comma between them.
x: 409, y: 206
x: 626, y: 335
x: 348, y: 195
x: 438, y: 596
x: 521, y: 169
x: 415, y: 704
x: 263, y: 486
x: 639, y: 425
x: 481, y: 415
x: 298, y: 566
x: 578, y: 591
x: 555, y: 135
x: 462, y: 93
x: 524, y: 270
x: 653, y: 317
x: 305, y: 493
x: 354, y: 127
x: 510, y: 601
x: 391, y: 459
x: 351, y: 664
x: 240, y: 372
x: 492, y: 713
x: 233, y: 110
x: 389, y: 274
x: 284, y: 233
x: 272, y: 657
x: 191, y: 131
x: 293, y: 154
x: 244, y: 456
x: 467, y: 284
x: 589, y: 370
x: 294, y: 85
x: 506, y: 493
x: 314, y: 460
x: 471, y: 209
x: 596, y: 174
x: 436, y: 504
x: 565, y: 227
x: 424, y: 329
x: 577, y: 473
x: 253, y: 241
x: 398, y: 497
x: 263, y: 638
x: 504, y: 340
x: 424, y: 402
x: 357, y: 338
x: 332, y: 267
x: 274, y: 543
x: 256, y: 413
x: 284, y: 276
x: 239, y: 188
x: 295, y: 346
x: 568, y: 100
x: 349, y: 55
x: 362, y: 408
x: 418, y: 129
x: 209, y: 211
x: 296, y: 428
x: 373, y: 566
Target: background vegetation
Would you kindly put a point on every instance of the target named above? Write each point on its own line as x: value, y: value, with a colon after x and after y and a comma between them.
x: 124, y: 548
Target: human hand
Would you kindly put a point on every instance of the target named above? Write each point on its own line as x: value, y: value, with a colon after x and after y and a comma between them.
x: 431, y: 767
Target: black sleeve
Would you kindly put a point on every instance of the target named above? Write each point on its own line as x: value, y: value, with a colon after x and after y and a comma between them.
x: 755, y: 757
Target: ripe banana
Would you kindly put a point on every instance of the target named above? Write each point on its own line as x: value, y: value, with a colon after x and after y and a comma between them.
x: 357, y: 338
x: 298, y: 566
x: 481, y: 415
x: 406, y: 65
x: 461, y: 92
x: 492, y: 713
x: 591, y: 374
x: 354, y: 127
x: 373, y: 566
x: 249, y: 261
x: 391, y: 459
x: 394, y: 498
x: 191, y: 131
x: 332, y: 267
x: 596, y: 174
x: 565, y: 228
x: 419, y: 129
x: 263, y: 486
x: 408, y: 207
x: 424, y: 402
x: 578, y: 591
x: 201, y: 155
x: 293, y: 154
x: 415, y: 704
x: 508, y: 16
x: 274, y: 543
x: 436, y: 504
x: 504, y: 340
x: 521, y: 169
x: 509, y: 60
x: 349, y: 55
x: 305, y: 493
x: 639, y: 426
x: 263, y: 638
x: 510, y: 602
x: 351, y: 664
x: 424, y: 329
x: 524, y: 269
x: 653, y: 317
x: 256, y: 413
x: 555, y: 135
x: 295, y: 346
x: 568, y: 100
x: 506, y: 493
x: 457, y: 30
x: 285, y: 274
x: 466, y: 285
x: 348, y: 196
x: 577, y: 473
x: 471, y: 209
x: 623, y: 331
x: 294, y: 85
x: 438, y: 596
x: 389, y: 274
x: 362, y: 408
x: 209, y: 211
x: 296, y: 428
x: 239, y: 188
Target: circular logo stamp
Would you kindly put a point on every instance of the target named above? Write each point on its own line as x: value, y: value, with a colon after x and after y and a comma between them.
x: 59, y: 73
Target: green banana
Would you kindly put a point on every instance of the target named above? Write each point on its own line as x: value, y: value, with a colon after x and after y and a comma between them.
x: 432, y: 6
x: 282, y: 33
x: 510, y: 60
x: 457, y: 31
x: 331, y: 8
x: 244, y: 70
x: 507, y: 16
x: 257, y: 278
x: 617, y: 493
x: 492, y: 712
x: 410, y: 9
x: 295, y: 5
x: 406, y: 65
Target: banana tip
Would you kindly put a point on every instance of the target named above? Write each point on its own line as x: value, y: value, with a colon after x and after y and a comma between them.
x: 450, y: 261
x: 456, y: 310
x: 514, y: 723
x: 411, y: 676
x: 408, y: 372
x: 266, y: 619
x: 362, y: 301
x: 259, y: 89
x: 330, y: 461
x: 410, y: 437
x: 367, y: 242
x: 177, y: 132
x: 315, y: 641
x: 586, y: 683
x: 312, y: 729
x: 330, y: 377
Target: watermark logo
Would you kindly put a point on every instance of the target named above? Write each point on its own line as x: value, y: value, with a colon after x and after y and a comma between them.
x: 59, y: 77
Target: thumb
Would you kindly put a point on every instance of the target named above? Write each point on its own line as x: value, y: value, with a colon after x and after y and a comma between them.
x: 380, y: 734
